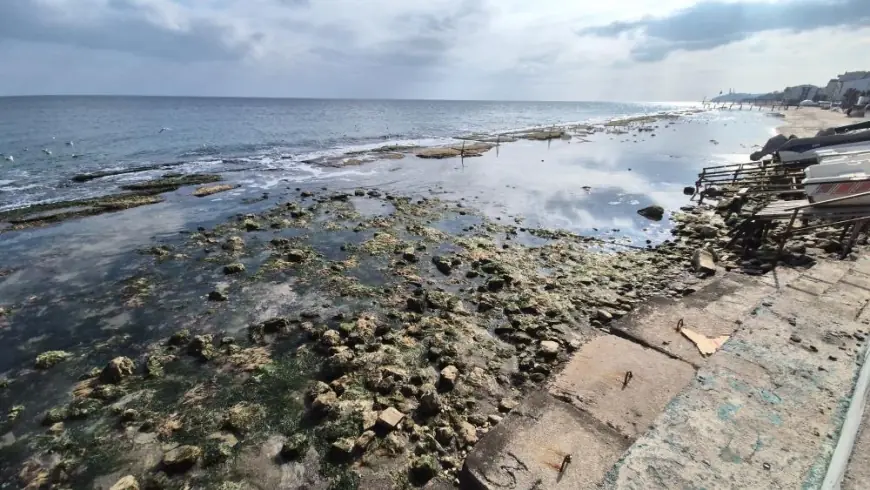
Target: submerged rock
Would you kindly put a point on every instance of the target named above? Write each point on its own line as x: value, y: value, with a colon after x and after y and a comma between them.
x: 51, y: 358
x: 655, y: 213
x: 117, y: 369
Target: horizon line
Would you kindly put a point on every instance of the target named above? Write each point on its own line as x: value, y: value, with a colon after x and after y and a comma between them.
x: 21, y: 96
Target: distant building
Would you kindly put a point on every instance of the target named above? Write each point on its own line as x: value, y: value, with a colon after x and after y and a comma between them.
x: 858, y: 80
x: 831, y: 88
x: 799, y: 93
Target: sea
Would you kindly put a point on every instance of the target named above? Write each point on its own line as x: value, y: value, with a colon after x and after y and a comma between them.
x: 51, y: 139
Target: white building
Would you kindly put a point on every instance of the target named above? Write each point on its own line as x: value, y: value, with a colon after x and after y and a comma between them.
x: 858, y: 80
x: 799, y: 92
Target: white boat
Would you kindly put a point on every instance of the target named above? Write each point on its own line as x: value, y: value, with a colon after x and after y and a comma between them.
x: 839, y: 175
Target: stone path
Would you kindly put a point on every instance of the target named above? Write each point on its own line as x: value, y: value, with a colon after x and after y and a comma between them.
x: 763, y: 412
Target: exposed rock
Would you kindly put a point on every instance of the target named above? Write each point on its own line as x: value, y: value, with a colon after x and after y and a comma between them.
x: 706, y: 231
x: 702, y: 261
x: 51, y: 358
x: 364, y: 440
x: 390, y: 418
x: 430, y: 401
x: 242, y: 416
x: 603, y: 316
x: 449, y: 376
x: 324, y: 403
x: 443, y: 265
x: 548, y: 348
x: 423, y: 468
x: 342, y: 448
x: 234, y: 268
x: 234, y: 244
x: 117, y: 369
x: 217, y: 296
x: 467, y: 433
x: 444, y: 435
x: 507, y: 404
x: 201, y: 347
x: 330, y: 338
x: 494, y: 419
x: 208, y: 190
x: 655, y: 213
x: 296, y: 255
x: 251, y: 225
x: 294, y: 447
x: 369, y: 419
x: 180, y: 337
x: 126, y: 483
x: 181, y: 458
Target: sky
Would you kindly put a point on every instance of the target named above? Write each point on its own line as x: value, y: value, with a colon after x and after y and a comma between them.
x: 625, y: 50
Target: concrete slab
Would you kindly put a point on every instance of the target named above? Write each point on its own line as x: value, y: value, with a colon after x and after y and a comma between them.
x: 862, y: 266
x: 728, y: 431
x: 810, y: 285
x: 655, y: 325
x: 594, y: 379
x: 527, y: 449
x: 780, y: 277
x: 829, y: 271
x: 857, y: 279
x: 848, y: 299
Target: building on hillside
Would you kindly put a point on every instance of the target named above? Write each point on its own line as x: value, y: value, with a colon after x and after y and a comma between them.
x: 799, y: 93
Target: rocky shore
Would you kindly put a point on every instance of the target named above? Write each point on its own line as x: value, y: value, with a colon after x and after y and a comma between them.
x: 387, y: 334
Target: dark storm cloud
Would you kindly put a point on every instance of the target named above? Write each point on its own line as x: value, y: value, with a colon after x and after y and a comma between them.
x: 123, y: 26
x: 711, y: 24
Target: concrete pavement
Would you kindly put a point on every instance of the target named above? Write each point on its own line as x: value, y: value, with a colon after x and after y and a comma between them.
x: 764, y: 411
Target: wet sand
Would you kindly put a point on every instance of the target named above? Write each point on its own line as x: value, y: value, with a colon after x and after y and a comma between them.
x: 807, y: 121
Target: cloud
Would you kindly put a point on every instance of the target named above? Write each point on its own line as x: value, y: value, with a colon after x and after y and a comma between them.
x: 707, y: 25
x: 157, y: 28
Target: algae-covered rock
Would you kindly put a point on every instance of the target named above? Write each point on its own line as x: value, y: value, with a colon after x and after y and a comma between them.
x: 208, y: 190
x: 234, y: 268
x: 201, y: 347
x: 294, y: 447
x: 117, y: 369
x: 423, y: 468
x: 51, y: 358
x: 181, y: 459
x: 241, y: 417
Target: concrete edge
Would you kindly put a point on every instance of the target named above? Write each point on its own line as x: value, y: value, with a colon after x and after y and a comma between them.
x: 849, y: 431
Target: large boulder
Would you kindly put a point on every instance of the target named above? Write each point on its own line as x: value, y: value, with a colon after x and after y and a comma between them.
x: 655, y: 213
